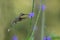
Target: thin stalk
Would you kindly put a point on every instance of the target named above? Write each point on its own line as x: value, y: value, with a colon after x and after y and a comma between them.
x: 36, y: 23
x: 42, y: 25
x: 31, y: 19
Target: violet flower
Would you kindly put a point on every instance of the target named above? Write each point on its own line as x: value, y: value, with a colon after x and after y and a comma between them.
x: 31, y: 14
x: 43, y: 7
x: 47, y: 38
x: 14, y: 37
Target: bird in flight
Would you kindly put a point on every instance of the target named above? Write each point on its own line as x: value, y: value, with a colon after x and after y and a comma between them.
x: 20, y: 18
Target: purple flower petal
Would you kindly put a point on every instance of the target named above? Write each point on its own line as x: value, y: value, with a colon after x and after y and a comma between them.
x: 43, y: 7
x: 14, y: 37
x: 31, y: 14
x: 47, y: 38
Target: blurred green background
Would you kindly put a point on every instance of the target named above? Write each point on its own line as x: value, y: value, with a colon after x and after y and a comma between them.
x: 9, y: 9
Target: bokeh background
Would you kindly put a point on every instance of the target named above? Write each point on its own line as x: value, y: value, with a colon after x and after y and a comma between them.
x: 9, y: 9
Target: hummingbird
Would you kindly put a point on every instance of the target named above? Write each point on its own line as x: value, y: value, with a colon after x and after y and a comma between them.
x: 19, y: 18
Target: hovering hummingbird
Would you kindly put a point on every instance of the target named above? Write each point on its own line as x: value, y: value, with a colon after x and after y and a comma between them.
x: 19, y: 18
